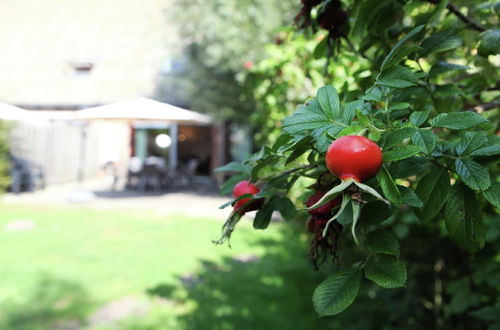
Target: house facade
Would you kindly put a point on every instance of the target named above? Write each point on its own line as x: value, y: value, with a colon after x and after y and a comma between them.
x: 62, y: 56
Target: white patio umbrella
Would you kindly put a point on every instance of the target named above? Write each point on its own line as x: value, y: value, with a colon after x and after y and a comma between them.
x: 13, y: 113
x: 144, y: 109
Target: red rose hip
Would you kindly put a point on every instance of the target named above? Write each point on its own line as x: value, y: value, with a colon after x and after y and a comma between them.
x: 242, y: 188
x: 354, y: 157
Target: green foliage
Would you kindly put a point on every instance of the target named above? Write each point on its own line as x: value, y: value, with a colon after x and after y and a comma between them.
x: 414, y: 85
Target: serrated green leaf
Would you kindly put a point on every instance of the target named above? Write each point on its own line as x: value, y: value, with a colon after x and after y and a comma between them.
x: 397, y: 53
x: 470, y: 142
x: 329, y: 101
x: 382, y: 242
x: 490, y: 43
x: 349, y: 111
x: 417, y: 118
x: 425, y: 139
x: 441, y: 42
x: 409, y: 197
x: 392, y: 138
x: 458, y: 120
x: 408, y: 167
x: 473, y: 174
x: 433, y: 190
x: 337, y: 292
x: 401, y: 153
x: 373, y: 94
x: 492, y: 194
x: 443, y: 67
x: 487, y: 151
x: 397, y: 77
x: 386, y: 272
x: 323, y: 136
x: 388, y: 186
x: 463, y: 219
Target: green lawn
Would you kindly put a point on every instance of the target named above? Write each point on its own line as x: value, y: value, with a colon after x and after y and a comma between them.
x: 76, y: 260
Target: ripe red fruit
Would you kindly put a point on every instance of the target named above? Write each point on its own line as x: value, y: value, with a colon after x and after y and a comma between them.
x: 325, y: 209
x: 242, y: 188
x: 354, y: 157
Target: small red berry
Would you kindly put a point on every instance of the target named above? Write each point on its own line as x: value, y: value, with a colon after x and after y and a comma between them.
x: 242, y: 188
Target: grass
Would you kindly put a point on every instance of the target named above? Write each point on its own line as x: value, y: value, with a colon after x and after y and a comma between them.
x: 76, y: 260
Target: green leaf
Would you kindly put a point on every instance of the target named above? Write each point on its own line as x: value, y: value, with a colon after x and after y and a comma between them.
x: 302, y: 146
x: 458, y: 120
x: 425, y: 139
x: 409, y: 197
x: 443, y: 67
x: 397, y: 77
x: 417, y: 118
x: 399, y: 106
x: 234, y: 167
x: 433, y: 190
x: 463, y: 219
x: 401, y: 153
x: 323, y: 136
x: 397, y: 54
x: 490, y: 43
x: 441, y: 42
x: 387, y: 272
x: 307, y: 117
x: 388, y: 186
x: 408, y: 167
x: 373, y: 94
x: 263, y: 216
x: 281, y: 141
x: 470, y: 142
x: 286, y: 208
x: 337, y: 292
x: 473, y: 174
x: 374, y: 213
x: 487, y: 151
x: 492, y: 194
x: 349, y: 110
x: 329, y: 100
x: 397, y: 136
x: 331, y: 194
x: 382, y: 242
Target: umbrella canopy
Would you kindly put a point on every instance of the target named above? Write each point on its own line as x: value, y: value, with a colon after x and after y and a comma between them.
x: 144, y: 109
x: 10, y: 112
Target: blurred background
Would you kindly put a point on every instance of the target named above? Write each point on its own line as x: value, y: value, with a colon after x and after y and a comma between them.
x: 113, y: 117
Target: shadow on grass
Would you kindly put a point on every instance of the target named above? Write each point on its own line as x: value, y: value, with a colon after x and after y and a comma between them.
x: 53, y: 304
x: 271, y: 292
